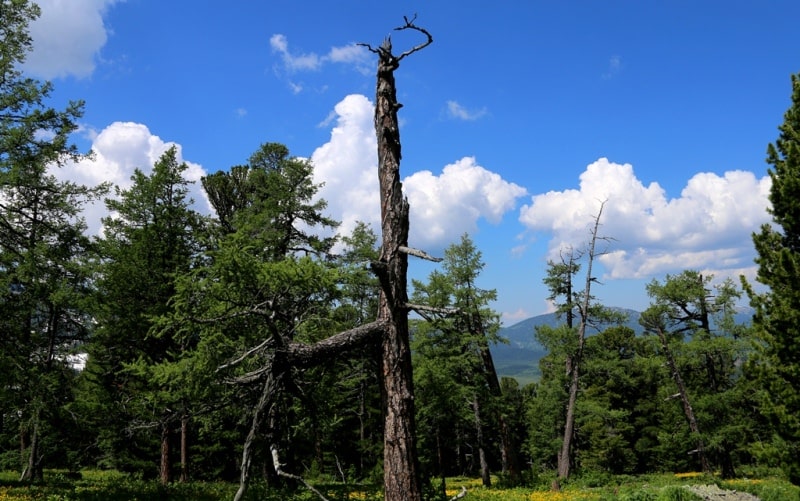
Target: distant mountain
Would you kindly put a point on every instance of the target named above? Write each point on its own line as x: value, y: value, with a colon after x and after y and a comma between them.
x: 520, y: 357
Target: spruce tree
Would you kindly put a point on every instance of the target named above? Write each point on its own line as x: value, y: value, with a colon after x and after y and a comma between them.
x: 777, y: 311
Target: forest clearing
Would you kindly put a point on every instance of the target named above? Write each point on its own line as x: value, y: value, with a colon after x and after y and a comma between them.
x: 107, y: 485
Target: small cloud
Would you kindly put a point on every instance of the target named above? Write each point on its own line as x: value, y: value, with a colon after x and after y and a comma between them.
x: 459, y: 112
x: 510, y: 318
x: 329, y: 119
x: 518, y: 250
x: 240, y: 112
x: 352, y: 54
x: 614, y: 67
x: 292, y: 62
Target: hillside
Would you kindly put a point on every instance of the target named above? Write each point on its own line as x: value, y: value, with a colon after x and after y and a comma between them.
x: 520, y: 357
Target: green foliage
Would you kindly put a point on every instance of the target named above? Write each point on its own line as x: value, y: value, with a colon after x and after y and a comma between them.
x: 708, y: 349
x: 271, y: 199
x: 134, y: 371
x: 777, y: 316
x: 768, y: 489
x: 452, y: 364
x: 45, y: 275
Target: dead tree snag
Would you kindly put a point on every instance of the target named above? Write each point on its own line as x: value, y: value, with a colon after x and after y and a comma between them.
x: 390, y: 329
x: 401, y: 472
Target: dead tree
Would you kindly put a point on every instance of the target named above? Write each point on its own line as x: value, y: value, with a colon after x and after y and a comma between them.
x: 390, y: 329
x: 401, y: 472
x: 574, y: 361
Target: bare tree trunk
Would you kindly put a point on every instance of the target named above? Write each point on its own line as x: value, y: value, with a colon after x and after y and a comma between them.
x: 486, y: 478
x: 401, y: 472
x: 507, y: 451
x: 564, y: 456
x: 184, y: 448
x: 32, y: 471
x: 164, y: 471
x: 261, y: 410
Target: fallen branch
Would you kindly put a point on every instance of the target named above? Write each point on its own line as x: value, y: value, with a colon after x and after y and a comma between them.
x: 277, y: 464
x: 460, y: 494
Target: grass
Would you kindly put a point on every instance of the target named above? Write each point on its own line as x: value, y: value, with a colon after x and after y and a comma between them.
x: 95, y: 485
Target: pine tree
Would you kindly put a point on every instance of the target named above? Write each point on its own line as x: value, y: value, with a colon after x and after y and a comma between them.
x: 777, y: 315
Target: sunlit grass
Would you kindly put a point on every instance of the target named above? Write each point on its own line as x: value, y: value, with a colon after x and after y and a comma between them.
x: 689, y: 474
x: 96, y: 485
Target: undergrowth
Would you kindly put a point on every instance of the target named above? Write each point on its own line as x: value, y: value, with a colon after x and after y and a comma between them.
x: 95, y: 485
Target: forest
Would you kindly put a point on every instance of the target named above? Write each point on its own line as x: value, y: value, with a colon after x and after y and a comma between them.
x: 246, y: 347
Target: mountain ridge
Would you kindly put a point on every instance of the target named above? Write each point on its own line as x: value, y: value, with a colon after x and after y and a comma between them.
x: 519, y: 358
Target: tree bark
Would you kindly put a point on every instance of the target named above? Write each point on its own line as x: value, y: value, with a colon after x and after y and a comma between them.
x: 401, y: 471
x: 565, y: 456
x: 184, y: 448
x: 32, y: 472
x: 164, y: 470
x: 486, y: 478
x: 262, y: 410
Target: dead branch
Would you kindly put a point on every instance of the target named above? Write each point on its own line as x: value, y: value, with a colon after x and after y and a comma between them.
x: 302, y: 355
x: 411, y: 26
x: 267, y: 342
x: 423, y: 308
x: 460, y: 494
x: 257, y: 309
x: 249, y: 377
x: 277, y: 464
x: 385, y: 50
x: 418, y: 253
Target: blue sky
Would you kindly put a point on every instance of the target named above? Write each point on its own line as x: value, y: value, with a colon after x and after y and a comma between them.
x: 517, y: 121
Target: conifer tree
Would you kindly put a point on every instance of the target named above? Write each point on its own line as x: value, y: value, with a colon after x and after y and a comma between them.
x: 43, y: 252
x: 152, y: 237
x: 777, y: 315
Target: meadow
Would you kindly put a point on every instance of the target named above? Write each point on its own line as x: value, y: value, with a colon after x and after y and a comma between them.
x: 96, y: 485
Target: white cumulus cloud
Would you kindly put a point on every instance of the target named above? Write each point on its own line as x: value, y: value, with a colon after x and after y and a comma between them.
x: 119, y: 149
x: 443, y: 206
x: 708, y: 226
x: 447, y: 205
x: 67, y: 37
x: 347, y: 165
